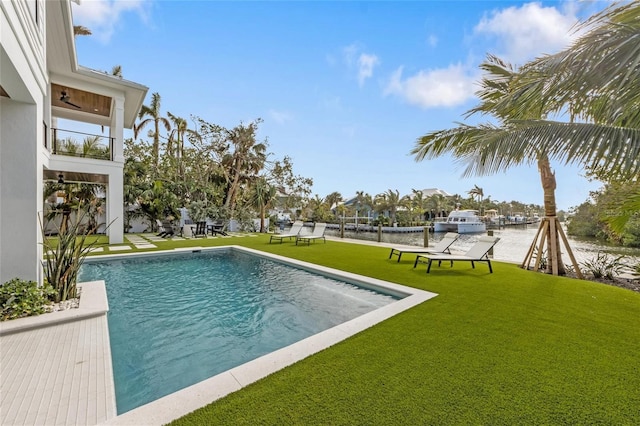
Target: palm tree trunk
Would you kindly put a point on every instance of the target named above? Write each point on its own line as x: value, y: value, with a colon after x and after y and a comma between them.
x: 550, y: 231
x: 262, y: 215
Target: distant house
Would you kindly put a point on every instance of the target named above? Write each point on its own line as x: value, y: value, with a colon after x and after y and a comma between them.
x: 428, y: 192
x: 40, y: 84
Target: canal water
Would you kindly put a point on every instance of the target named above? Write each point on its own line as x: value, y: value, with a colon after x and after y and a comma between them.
x: 513, y: 245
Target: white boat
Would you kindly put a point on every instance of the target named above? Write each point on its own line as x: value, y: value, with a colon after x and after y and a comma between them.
x: 462, y: 222
x: 491, y: 215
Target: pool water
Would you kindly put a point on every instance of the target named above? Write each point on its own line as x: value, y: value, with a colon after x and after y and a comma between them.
x: 177, y: 320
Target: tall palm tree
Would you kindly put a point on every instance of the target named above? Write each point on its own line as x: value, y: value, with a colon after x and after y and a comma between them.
x: 419, y: 203
x: 152, y: 114
x: 180, y: 128
x: 482, y: 149
x: 262, y: 197
x: 437, y: 202
x: 596, y: 80
x: 476, y: 191
x: 390, y: 200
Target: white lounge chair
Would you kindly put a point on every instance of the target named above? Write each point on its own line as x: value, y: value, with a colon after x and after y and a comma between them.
x: 479, y: 252
x: 293, y: 232
x: 441, y: 247
x: 316, y: 234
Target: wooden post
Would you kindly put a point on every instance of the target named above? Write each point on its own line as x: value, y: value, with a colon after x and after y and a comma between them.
x: 490, y: 234
x: 379, y: 232
x: 342, y: 229
x: 426, y: 236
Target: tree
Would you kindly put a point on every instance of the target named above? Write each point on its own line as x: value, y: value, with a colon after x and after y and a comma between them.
x: 152, y: 112
x: 419, y: 203
x: 180, y: 127
x: 80, y: 30
x: 476, y: 191
x: 486, y: 149
x: 318, y: 209
x: 262, y: 197
x: 333, y: 200
x: 595, y: 82
x: 295, y: 188
x: 390, y: 200
x: 436, y: 203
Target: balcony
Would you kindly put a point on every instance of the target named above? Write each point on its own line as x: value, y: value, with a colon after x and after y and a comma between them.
x: 78, y: 144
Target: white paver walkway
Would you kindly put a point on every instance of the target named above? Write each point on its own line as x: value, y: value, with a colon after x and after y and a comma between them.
x: 58, y: 374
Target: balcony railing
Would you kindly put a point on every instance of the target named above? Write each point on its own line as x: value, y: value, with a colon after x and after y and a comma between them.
x: 78, y: 144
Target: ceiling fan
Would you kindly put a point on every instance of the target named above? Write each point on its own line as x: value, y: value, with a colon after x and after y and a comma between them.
x: 67, y: 99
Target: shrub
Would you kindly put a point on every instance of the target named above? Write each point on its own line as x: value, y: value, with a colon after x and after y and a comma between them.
x: 604, y: 266
x: 63, y: 260
x: 19, y: 298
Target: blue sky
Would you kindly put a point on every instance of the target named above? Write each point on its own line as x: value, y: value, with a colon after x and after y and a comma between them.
x: 344, y: 88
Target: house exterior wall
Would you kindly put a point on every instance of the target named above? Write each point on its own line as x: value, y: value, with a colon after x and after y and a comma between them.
x: 28, y: 67
x: 23, y: 76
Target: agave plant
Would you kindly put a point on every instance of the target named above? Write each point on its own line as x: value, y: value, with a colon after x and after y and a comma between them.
x: 64, y: 256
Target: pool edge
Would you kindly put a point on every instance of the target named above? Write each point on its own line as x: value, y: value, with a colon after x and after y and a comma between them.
x: 184, y: 401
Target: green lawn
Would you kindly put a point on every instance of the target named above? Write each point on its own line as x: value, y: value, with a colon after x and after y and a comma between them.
x: 512, y: 347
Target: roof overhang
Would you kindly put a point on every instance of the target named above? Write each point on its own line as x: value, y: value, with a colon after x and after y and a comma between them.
x: 93, y: 92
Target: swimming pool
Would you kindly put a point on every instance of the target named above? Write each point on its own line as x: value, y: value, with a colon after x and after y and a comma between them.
x: 178, y: 319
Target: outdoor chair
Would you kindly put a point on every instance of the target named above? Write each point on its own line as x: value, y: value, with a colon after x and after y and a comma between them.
x: 479, y: 252
x: 167, y: 230
x: 200, y: 229
x: 293, y: 232
x: 441, y: 247
x: 217, y: 227
x: 316, y: 234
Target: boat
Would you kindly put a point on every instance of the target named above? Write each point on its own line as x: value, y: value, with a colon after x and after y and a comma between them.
x: 462, y: 222
x: 492, y: 217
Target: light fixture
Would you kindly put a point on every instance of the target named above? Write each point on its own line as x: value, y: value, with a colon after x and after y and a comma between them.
x: 60, y: 178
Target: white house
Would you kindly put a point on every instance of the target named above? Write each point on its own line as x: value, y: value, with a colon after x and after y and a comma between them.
x: 40, y: 83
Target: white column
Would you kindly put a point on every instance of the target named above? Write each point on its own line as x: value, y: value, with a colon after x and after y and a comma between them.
x: 115, y: 210
x: 116, y: 130
x: 115, y: 190
x: 20, y: 190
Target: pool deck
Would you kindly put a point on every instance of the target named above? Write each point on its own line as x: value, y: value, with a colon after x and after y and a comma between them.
x: 55, y: 369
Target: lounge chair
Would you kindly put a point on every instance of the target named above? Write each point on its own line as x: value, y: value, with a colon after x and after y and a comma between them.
x: 167, y: 230
x: 200, y: 229
x: 293, y: 232
x: 316, y: 234
x: 217, y: 227
x: 441, y: 247
x: 479, y: 252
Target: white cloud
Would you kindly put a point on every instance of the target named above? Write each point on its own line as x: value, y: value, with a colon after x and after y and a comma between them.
x: 102, y: 16
x: 442, y: 87
x: 530, y: 30
x: 366, y: 63
x: 432, y: 40
x: 280, y: 117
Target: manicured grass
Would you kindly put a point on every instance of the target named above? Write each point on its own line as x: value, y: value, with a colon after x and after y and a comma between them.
x: 512, y: 347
